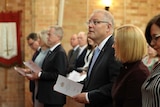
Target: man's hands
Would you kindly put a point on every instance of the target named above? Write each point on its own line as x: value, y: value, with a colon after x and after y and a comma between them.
x: 81, y: 98
x: 32, y: 75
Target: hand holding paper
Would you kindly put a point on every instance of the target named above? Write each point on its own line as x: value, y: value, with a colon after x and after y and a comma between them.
x: 35, y: 68
x: 81, y: 98
x: 21, y: 71
x: 67, y: 87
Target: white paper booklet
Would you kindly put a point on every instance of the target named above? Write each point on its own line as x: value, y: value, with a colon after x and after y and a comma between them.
x: 67, y: 87
x: 76, y: 76
x: 33, y: 66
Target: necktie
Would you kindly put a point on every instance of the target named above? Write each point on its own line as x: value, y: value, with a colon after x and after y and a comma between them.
x: 49, y: 52
x: 72, y: 53
x: 95, y: 55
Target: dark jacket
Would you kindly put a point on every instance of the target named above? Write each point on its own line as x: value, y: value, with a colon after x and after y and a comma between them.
x: 54, y: 64
x: 103, y: 74
x: 126, y: 91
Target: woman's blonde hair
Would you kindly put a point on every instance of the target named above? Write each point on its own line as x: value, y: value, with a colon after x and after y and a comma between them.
x: 43, y: 36
x: 130, y: 43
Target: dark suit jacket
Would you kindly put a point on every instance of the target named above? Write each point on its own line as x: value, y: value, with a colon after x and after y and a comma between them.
x: 32, y: 82
x: 126, y: 90
x: 72, y: 56
x: 80, y: 60
x: 54, y: 64
x: 103, y: 74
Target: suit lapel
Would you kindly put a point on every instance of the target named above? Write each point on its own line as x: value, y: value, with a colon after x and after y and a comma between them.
x: 100, y: 58
x: 49, y: 56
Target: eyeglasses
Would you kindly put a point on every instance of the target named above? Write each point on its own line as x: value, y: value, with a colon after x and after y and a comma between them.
x: 95, y: 22
x: 155, y: 38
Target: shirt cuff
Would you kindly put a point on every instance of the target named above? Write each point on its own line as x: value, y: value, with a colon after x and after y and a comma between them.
x: 39, y: 74
x: 87, y: 97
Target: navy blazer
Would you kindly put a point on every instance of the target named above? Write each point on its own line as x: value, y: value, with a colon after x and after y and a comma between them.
x: 54, y: 64
x: 80, y: 60
x: 103, y: 74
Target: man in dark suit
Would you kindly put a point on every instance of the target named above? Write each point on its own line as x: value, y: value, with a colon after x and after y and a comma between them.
x: 72, y: 54
x: 33, y: 42
x: 54, y: 63
x: 100, y: 77
x: 82, y: 41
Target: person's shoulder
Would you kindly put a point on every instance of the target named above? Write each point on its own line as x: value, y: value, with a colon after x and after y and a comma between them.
x: 140, y: 70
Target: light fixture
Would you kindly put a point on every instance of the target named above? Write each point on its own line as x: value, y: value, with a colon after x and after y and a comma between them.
x: 107, y: 4
x: 107, y: 8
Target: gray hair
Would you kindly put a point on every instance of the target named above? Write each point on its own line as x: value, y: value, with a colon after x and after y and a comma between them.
x: 107, y: 16
x: 43, y: 36
x: 58, y: 31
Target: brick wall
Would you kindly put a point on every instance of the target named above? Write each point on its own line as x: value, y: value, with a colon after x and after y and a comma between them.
x: 11, y: 84
x: 39, y: 14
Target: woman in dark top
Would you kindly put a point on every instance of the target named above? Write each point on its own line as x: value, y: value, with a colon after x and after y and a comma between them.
x: 130, y: 47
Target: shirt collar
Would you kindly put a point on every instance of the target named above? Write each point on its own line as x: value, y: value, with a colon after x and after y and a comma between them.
x: 52, y: 48
x: 76, y: 47
x: 83, y: 47
x: 101, y: 45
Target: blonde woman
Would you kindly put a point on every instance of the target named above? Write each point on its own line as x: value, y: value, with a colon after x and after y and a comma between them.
x: 39, y: 60
x: 130, y: 47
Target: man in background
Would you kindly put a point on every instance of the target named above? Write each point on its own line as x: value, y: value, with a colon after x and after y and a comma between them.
x: 72, y: 54
x: 55, y: 63
x: 82, y: 41
x: 33, y: 42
